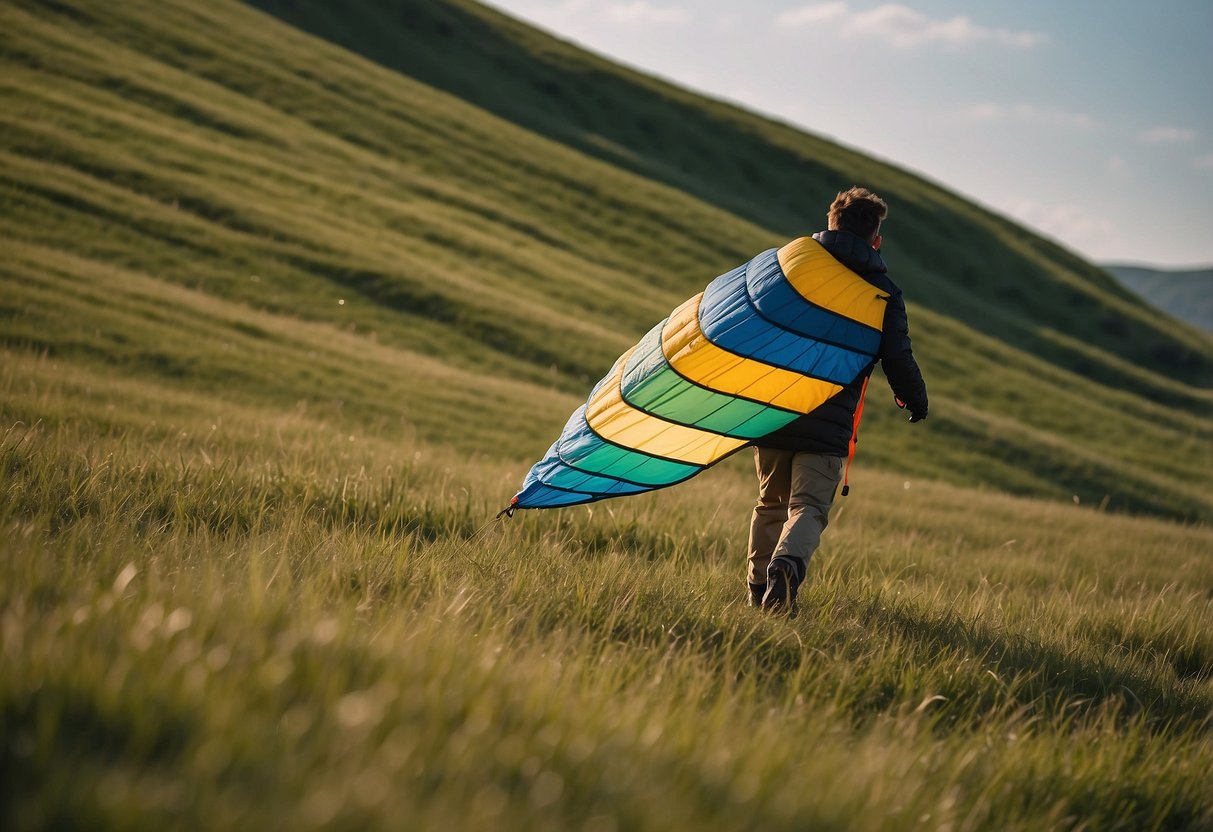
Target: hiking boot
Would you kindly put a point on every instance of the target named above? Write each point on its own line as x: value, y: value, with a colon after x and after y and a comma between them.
x: 756, y: 593
x: 782, y: 582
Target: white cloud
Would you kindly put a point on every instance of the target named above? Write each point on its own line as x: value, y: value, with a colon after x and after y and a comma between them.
x: 904, y: 27
x: 986, y: 112
x: 807, y: 15
x: 1030, y: 113
x: 640, y: 12
x: 1167, y: 135
x: 1203, y: 162
x: 726, y: 23
x: 1073, y: 223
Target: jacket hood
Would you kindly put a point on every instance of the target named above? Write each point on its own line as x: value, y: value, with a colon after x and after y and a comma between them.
x: 852, y: 251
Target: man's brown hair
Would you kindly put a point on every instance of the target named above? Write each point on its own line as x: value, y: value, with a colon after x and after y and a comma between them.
x: 859, y: 211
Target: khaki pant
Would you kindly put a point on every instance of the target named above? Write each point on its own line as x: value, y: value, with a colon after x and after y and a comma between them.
x: 795, y: 491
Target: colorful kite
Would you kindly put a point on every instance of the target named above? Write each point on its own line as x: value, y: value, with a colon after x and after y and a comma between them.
x: 765, y: 343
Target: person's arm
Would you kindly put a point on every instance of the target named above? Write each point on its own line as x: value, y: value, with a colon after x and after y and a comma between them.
x: 897, y: 359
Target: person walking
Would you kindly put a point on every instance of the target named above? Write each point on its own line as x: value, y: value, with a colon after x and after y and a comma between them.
x: 800, y: 465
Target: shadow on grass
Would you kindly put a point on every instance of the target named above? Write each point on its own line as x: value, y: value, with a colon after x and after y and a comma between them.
x: 1042, y: 679
x: 998, y: 672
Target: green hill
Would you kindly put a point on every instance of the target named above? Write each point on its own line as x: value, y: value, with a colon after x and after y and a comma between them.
x: 290, y: 301
x: 237, y: 165
x: 957, y: 258
x: 1186, y: 294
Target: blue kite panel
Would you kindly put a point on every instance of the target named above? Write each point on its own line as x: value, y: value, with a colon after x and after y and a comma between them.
x: 559, y: 474
x: 538, y: 495
x: 729, y: 321
x: 773, y: 296
x: 646, y: 361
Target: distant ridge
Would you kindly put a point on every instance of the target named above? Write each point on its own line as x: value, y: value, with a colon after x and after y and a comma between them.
x: 1185, y: 293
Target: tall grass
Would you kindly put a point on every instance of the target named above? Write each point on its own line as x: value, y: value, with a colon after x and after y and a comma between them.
x: 237, y: 618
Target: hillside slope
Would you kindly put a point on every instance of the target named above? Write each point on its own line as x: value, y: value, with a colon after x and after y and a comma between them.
x: 1186, y: 294
x: 957, y: 258
x: 206, y: 197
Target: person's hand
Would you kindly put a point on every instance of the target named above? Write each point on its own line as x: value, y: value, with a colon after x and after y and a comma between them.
x: 914, y: 417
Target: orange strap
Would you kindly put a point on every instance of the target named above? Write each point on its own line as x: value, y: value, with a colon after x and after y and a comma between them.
x: 846, y: 476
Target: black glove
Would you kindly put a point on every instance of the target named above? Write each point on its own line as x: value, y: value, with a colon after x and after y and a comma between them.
x: 914, y: 417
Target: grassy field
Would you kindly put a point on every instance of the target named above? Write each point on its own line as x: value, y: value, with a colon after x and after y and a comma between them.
x: 285, y: 318
x: 220, y: 616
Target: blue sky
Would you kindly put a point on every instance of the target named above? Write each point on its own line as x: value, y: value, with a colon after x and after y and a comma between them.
x: 1089, y: 121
